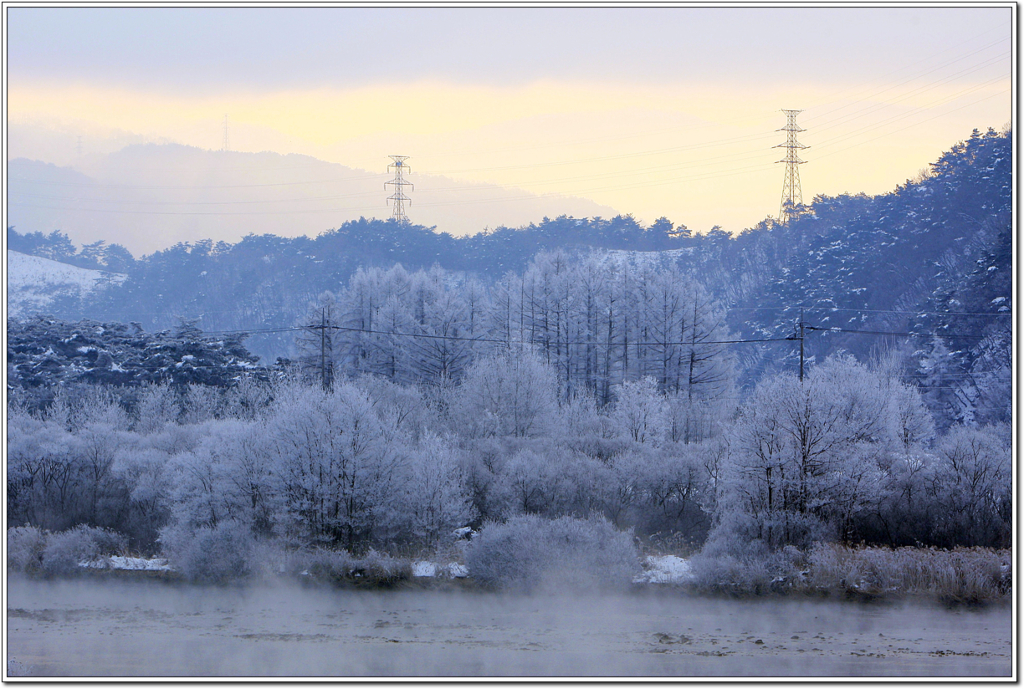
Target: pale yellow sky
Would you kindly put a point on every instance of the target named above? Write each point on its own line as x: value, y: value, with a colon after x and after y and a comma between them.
x: 695, y: 145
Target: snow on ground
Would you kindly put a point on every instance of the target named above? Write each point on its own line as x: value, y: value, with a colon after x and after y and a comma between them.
x: 664, y: 569
x: 133, y: 563
x: 422, y: 568
x: 452, y: 570
x: 33, y: 282
x: 639, y: 259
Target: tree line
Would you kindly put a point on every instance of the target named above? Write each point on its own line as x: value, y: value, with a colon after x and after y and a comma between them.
x: 847, y: 455
x: 596, y: 321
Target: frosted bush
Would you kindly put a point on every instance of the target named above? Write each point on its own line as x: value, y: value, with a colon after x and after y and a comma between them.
x: 340, y: 566
x: 755, y: 573
x: 734, y: 562
x: 25, y: 546
x: 530, y: 553
x: 65, y: 550
x: 218, y: 554
x: 382, y: 569
x: 272, y: 558
x: 329, y: 565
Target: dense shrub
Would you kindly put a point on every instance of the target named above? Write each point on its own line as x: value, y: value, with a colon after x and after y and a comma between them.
x: 532, y: 553
x: 25, y: 546
x: 65, y: 550
x: 338, y: 566
x: 328, y: 565
x: 382, y: 569
x: 757, y: 571
x: 210, y: 554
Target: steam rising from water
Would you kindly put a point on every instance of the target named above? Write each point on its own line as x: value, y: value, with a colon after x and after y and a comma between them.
x: 104, y: 628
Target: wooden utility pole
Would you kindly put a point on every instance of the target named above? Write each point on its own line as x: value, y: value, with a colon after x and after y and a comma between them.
x: 323, y: 349
x: 801, y: 345
x: 326, y: 364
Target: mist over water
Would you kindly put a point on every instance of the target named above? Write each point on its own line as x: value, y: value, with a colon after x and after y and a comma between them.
x: 107, y: 628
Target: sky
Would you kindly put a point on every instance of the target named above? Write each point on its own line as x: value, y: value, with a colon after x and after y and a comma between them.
x: 663, y: 111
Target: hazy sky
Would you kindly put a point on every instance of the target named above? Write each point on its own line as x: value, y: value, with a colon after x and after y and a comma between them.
x: 652, y: 111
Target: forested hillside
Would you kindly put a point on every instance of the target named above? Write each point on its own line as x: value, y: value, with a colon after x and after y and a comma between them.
x: 931, y: 259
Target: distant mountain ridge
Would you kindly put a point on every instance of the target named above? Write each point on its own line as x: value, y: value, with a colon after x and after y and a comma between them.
x: 151, y: 196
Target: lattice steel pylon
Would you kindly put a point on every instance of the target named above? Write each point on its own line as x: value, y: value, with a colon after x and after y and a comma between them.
x: 792, y: 196
x: 399, y: 183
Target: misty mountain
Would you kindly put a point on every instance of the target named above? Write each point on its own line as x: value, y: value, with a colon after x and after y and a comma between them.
x: 151, y: 196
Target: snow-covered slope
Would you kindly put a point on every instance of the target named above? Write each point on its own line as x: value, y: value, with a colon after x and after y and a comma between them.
x: 640, y: 259
x: 33, y: 282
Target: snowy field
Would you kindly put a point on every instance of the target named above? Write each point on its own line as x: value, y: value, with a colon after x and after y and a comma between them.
x: 106, y: 628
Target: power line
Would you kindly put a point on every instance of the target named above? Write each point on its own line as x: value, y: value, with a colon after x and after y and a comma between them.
x: 926, y: 87
x: 561, y: 342
x: 870, y: 92
x: 63, y: 183
x: 531, y: 196
x: 745, y: 170
x: 834, y: 309
x: 941, y: 101
x: 916, y: 124
x: 884, y: 332
x: 638, y: 154
x: 642, y: 153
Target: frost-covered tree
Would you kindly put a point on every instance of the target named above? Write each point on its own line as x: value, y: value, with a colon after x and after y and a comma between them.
x: 247, y: 399
x: 332, y: 462
x: 156, y: 405
x: 808, y: 454
x: 431, y: 497
x: 142, y: 473
x: 200, y: 403
x: 640, y: 412
x: 372, y: 307
x: 972, y: 487
x: 508, y: 393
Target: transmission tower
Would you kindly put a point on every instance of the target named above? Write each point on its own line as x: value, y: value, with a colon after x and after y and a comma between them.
x: 399, y: 183
x: 792, y: 196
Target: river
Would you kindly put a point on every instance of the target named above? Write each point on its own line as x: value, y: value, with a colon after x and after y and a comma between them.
x: 107, y: 628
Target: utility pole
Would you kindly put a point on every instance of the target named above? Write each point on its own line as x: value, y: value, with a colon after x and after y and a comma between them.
x: 399, y: 183
x: 801, y: 345
x: 326, y: 366
x: 323, y: 350
x: 792, y: 196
